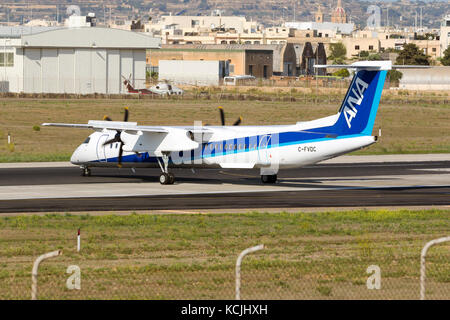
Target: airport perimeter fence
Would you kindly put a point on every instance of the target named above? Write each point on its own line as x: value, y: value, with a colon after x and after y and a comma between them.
x: 308, y: 91
x: 345, y: 270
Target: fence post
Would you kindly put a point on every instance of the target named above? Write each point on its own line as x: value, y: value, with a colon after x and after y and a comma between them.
x: 34, y: 272
x: 238, y: 267
x: 422, y: 263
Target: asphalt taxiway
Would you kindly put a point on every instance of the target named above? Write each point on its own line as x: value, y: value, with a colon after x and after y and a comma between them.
x: 355, y: 181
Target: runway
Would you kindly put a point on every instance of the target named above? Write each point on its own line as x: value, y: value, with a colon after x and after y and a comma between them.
x: 61, y: 189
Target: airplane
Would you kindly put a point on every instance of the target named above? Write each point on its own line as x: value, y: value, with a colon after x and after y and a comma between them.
x: 131, y: 89
x: 159, y: 89
x: 267, y: 148
x: 166, y: 89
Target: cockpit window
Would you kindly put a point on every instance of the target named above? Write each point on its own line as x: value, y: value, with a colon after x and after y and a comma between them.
x: 87, y: 140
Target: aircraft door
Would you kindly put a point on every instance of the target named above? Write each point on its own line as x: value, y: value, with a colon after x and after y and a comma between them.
x: 263, y: 150
x: 101, y: 150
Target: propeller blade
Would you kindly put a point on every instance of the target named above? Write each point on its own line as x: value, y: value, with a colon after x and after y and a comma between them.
x: 115, y: 139
x: 106, y: 118
x: 238, y: 122
x: 222, y: 116
x: 119, y: 161
x: 125, y: 118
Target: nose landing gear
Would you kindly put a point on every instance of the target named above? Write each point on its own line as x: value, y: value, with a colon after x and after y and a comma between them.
x: 85, y: 171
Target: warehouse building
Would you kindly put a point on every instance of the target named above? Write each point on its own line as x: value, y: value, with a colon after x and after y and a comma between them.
x: 256, y: 60
x: 434, y: 78
x: 73, y: 60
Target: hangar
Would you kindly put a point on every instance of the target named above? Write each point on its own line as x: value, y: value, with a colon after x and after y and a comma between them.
x: 74, y: 60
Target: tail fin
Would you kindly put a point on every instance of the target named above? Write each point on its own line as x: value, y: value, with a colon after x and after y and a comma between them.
x: 359, y: 108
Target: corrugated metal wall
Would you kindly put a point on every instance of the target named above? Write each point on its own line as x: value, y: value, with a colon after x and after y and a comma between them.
x: 82, y: 70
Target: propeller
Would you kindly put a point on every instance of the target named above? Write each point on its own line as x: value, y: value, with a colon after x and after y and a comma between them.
x: 117, y: 137
x: 222, y: 118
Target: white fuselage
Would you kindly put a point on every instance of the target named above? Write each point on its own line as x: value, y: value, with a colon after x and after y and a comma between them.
x: 242, y: 147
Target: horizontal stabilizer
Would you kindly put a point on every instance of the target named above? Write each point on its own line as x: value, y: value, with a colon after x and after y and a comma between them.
x: 360, y: 65
x: 370, y: 66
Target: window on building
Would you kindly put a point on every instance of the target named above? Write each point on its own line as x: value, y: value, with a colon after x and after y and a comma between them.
x: 250, y: 70
x: 434, y: 49
x: 370, y: 47
x: 195, y: 23
x: 8, y: 61
x: 256, y: 42
x: 231, y: 68
x: 356, y: 47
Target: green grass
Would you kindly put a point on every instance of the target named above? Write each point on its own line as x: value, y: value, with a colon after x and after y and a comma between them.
x: 318, y: 255
x: 410, y: 123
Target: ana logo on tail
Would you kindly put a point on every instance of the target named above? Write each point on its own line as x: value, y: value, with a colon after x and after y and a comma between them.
x: 350, y: 110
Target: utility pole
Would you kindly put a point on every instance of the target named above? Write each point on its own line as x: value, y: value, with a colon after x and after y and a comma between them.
x: 294, y: 9
x: 421, y: 25
x: 415, y: 22
x: 387, y: 17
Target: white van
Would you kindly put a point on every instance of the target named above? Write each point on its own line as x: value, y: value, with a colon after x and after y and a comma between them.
x: 237, y: 80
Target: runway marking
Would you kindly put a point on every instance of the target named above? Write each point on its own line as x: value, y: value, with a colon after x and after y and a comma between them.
x: 218, y: 192
x: 434, y: 169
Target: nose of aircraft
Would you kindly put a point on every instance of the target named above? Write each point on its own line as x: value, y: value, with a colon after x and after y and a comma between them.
x: 79, y: 156
x: 75, y: 158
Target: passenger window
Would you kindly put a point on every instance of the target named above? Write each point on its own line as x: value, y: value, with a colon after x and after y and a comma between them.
x: 87, y: 140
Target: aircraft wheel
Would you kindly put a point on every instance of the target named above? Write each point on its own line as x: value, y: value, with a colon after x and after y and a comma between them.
x: 86, y: 172
x: 171, y: 178
x: 269, y: 178
x: 164, y: 178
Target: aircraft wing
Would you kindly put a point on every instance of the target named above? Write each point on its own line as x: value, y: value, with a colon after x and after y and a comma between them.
x: 143, y: 138
x: 109, y: 125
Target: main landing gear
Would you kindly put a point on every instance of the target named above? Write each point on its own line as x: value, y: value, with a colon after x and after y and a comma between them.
x: 166, y: 177
x: 268, y: 175
x: 85, y: 171
x: 272, y: 178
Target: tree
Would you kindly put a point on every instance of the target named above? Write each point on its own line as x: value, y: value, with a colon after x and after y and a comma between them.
x: 446, y: 58
x: 394, y: 75
x: 338, y: 52
x: 412, y: 55
x: 374, y: 57
x: 342, y: 73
